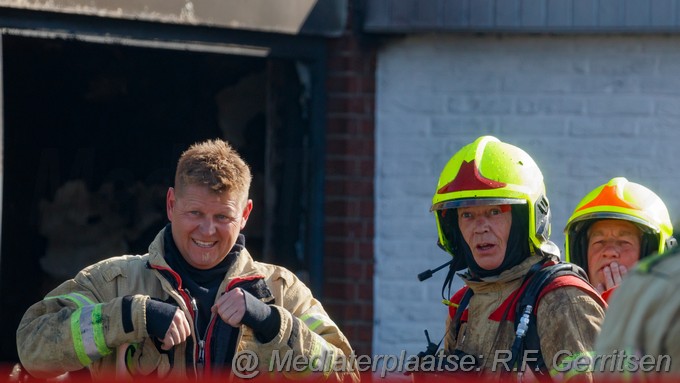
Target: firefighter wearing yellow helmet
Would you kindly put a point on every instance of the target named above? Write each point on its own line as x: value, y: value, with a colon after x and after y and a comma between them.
x: 613, y: 227
x: 493, y: 218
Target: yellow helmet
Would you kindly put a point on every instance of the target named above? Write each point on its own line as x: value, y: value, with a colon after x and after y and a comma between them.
x: 491, y: 172
x: 624, y: 200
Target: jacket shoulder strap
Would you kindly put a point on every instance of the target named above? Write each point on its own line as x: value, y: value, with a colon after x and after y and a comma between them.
x: 547, y: 279
x: 460, y: 311
x: 455, y: 301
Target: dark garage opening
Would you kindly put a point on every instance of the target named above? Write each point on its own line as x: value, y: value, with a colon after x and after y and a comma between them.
x: 92, y: 133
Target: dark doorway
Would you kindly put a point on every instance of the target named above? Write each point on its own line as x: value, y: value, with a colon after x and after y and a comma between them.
x: 92, y: 134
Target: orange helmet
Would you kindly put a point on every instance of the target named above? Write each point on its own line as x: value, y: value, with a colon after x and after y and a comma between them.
x: 624, y: 200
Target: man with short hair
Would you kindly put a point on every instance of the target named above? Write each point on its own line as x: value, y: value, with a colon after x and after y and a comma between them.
x: 192, y: 303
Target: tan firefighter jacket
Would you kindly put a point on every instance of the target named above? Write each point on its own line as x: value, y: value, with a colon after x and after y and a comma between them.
x: 568, y: 320
x: 641, y: 334
x: 79, y: 323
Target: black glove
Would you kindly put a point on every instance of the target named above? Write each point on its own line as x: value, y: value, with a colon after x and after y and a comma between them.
x: 159, y: 315
x: 259, y: 316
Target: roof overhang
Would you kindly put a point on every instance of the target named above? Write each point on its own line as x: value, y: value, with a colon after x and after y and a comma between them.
x: 291, y: 17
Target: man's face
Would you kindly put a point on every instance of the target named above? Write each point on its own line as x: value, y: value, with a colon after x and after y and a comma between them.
x: 486, y: 230
x: 205, y: 225
x: 611, y: 240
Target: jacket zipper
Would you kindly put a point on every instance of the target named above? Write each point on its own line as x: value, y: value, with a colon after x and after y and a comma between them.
x: 203, y: 344
x: 203, y: 349
x: 202, y: 361
x: 208, y: 337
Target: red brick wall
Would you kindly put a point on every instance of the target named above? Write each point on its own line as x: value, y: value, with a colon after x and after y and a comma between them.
x: 349, y: 185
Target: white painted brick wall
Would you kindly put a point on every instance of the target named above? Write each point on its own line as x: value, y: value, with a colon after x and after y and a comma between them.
x: 586, y: 108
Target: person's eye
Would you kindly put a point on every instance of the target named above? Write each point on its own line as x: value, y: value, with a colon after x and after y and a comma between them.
x: 495, y: 212
x: 465, y: 215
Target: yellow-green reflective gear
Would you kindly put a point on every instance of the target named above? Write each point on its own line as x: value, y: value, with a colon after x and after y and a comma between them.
x: 624, y: 200
x: 490, y: 172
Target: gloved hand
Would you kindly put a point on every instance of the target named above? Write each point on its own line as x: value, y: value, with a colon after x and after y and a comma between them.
x: 166, y: 322
x: 238, y: 306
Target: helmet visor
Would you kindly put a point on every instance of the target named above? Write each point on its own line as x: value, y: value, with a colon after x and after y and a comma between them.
x: 453, y: 204
x: 642, y: 224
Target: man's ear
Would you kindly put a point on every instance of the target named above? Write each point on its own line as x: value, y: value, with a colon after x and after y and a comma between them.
x: 170, y: 203
x: 246, y: 213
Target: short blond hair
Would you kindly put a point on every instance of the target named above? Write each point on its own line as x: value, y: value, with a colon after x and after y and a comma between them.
x: 215, y: 164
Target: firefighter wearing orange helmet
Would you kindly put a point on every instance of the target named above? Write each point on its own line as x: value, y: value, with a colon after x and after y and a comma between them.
x: 493, y: 218
x: 613, y: 227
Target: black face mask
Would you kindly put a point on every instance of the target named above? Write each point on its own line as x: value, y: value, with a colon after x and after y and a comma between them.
x: 516, y: 251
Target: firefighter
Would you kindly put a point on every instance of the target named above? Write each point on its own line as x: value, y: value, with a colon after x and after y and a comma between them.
x: 640, y: 334
x: 493, y: 218
x: 189, y: 306
x: 612, y: 228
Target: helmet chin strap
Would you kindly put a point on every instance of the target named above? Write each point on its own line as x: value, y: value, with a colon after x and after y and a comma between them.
x: 649, y: 244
